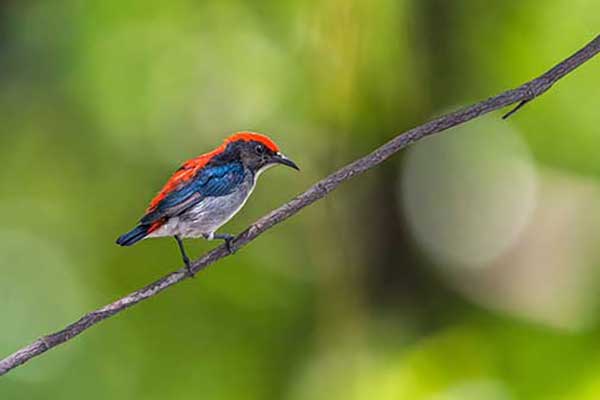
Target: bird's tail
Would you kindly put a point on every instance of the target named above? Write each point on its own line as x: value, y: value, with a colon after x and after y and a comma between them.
x: 133, y: 236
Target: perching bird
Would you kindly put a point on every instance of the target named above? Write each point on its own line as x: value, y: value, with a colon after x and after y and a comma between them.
x: 207, y: 191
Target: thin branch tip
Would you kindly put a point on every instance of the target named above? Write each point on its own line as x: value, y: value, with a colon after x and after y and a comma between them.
x: 515, y: 109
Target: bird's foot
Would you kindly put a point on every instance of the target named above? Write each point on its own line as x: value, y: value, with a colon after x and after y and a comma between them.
x: 228, y: 241
x: 188, y: 267
x: 184, y: 256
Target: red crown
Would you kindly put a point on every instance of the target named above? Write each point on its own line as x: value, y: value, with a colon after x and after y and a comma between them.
x: 252, y: 136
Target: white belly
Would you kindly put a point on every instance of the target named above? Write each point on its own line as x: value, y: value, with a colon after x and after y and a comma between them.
x: 203, y: 219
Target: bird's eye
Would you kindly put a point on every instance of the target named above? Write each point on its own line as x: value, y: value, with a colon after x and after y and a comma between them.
x: 259, y: 149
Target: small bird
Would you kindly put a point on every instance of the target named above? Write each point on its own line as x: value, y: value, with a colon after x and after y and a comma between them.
x: 207, y: 191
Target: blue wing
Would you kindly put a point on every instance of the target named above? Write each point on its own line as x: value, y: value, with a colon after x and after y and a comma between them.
x: 209, y: 182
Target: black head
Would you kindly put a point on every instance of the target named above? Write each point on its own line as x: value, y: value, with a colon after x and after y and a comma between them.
x: 257, y: 156
x: 256, y: 152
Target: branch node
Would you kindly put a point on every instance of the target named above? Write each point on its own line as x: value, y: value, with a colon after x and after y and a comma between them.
x: 45, y: 343
x: 530, y: 94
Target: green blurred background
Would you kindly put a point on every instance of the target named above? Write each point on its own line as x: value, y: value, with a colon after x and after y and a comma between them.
x: 464, y: 268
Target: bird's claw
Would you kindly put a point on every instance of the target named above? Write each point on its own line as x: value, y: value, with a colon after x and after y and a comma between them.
x: 228, y: 241
x: 184, y: 256
x: 188, y: 267
x: 229, y: 245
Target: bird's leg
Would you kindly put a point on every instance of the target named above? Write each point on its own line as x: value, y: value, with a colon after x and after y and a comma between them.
x: 228, y: 240
x: 184, y: 255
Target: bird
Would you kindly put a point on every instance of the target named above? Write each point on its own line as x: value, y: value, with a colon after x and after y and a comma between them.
x: 207, y: 191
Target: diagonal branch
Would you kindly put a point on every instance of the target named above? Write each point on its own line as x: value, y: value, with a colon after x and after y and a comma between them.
x: 521, y: 95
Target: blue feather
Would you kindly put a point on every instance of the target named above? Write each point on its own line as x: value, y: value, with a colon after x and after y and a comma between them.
x: 211, y: 181
x: 220, y: 180
x: 133, y: 236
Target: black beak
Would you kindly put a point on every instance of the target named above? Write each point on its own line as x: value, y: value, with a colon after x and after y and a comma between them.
x: 281, y: 159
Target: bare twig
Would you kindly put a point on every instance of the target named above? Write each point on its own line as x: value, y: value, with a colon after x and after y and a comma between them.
x: 522, y: 95
x: 517, y: 108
